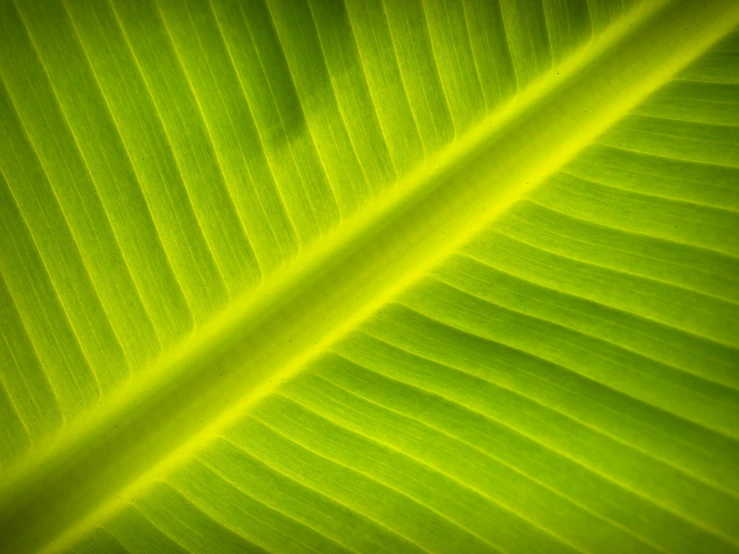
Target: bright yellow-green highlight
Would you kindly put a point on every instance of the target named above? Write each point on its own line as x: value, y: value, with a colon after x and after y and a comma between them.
x: 266, y: 286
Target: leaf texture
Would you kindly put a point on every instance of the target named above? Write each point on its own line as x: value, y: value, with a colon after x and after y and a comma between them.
x: 364, y: 276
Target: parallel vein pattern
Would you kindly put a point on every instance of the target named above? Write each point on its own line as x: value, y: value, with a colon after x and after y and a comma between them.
x: 568, y: 381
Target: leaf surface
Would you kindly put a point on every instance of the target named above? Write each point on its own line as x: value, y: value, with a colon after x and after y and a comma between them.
x: 423, y: 276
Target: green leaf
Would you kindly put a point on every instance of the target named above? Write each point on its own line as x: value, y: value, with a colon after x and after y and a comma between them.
x: 362, y: 276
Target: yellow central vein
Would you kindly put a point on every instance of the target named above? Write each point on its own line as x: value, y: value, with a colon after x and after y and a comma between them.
x: 162, y: 417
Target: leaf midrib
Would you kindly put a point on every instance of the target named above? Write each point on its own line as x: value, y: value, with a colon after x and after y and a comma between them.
x: 200, y: 386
